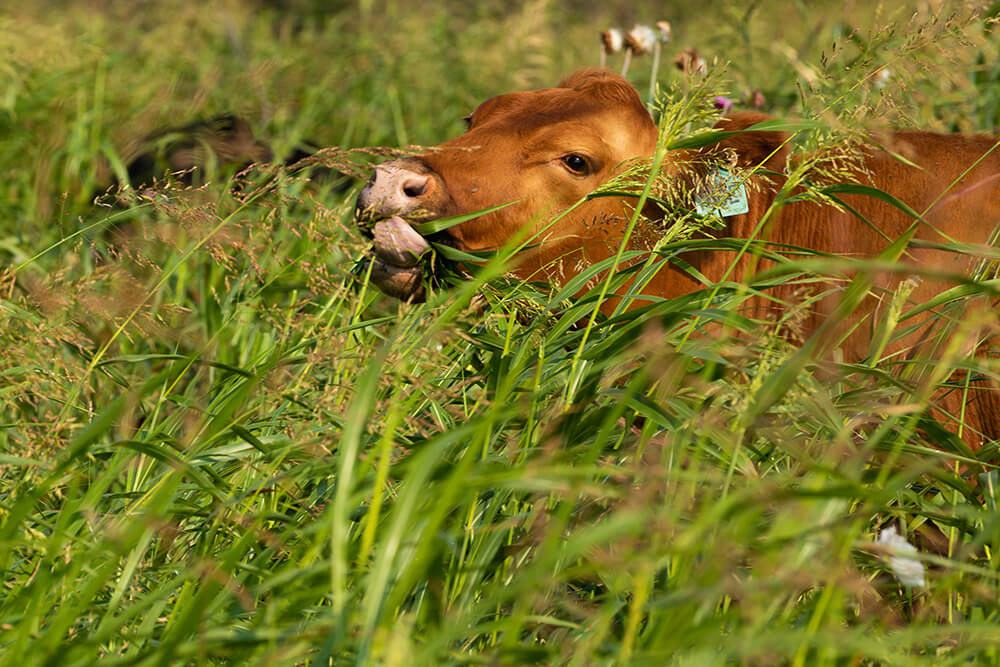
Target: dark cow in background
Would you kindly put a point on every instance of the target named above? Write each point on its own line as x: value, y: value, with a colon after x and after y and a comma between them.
x: 218, y: 143
x: 547, y: 149
x: 209, y: 149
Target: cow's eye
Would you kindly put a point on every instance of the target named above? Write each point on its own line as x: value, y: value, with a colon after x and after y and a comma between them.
x: 576, y: 164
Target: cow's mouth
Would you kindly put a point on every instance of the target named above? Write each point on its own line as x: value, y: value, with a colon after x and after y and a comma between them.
x: 399, y: 252
x: 402, y: 259
x: 400, y: 195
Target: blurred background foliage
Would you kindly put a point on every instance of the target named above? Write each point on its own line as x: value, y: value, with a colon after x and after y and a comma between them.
x: 218, y: 443
x: 84, y: 82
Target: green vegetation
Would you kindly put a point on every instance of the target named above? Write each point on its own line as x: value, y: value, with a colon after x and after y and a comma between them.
x: 220, y: 444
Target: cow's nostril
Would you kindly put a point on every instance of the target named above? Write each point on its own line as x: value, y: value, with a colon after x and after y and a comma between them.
x: 415, y: 187
x: 399, y: 187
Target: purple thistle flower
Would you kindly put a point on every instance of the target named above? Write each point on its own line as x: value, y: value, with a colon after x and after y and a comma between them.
x: 723, y: 104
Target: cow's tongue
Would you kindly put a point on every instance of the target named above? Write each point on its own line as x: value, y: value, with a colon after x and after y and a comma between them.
x: 397, y: 243
x: 398, y: 249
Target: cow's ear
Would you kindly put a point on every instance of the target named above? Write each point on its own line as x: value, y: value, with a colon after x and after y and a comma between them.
x: 754, y: 148
x: 589, y: 76
x: 604, y: 84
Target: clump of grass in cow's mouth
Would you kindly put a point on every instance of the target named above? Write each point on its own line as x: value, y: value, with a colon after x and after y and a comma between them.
x: 405, y: 263
x: 399, y: 259
x: 411, y: 256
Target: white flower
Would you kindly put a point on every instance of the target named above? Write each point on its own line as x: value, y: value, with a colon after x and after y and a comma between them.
x: 909, y: 571
x: 689, y: 61
x: 664, y: 28
x: 613, y: 40
x: 882, y: 78
x: 641, y: 39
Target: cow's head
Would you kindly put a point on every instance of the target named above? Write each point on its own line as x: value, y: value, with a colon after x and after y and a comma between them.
x: 544, y: 150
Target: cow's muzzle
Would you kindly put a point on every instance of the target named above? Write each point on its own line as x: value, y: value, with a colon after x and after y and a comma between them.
x: 406, y: 188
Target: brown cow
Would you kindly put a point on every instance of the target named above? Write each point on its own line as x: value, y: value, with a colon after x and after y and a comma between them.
x: 547, y: 149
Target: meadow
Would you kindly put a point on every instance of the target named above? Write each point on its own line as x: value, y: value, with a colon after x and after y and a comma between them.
x: 220, y: 444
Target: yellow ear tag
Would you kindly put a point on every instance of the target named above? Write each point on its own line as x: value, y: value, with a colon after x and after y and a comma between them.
x: 726, y: 196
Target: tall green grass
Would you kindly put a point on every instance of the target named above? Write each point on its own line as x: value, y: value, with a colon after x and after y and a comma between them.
x: 221, y: 444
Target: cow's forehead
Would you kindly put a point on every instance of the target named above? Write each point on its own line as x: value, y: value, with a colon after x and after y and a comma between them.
x: 522, y: 114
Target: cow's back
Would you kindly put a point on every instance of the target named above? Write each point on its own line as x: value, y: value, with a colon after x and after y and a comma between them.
x: 953, y: 183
